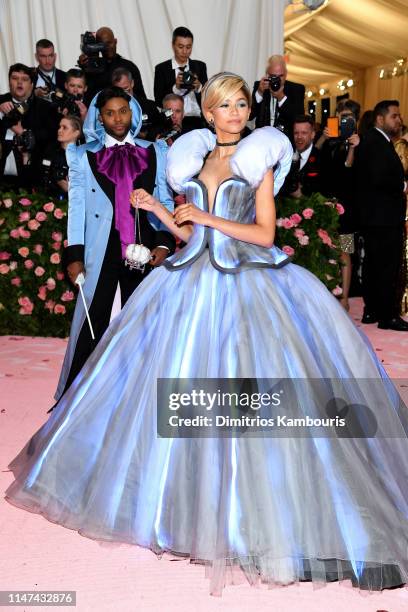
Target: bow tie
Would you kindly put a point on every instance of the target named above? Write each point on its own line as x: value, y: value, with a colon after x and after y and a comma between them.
x: 122, y: 164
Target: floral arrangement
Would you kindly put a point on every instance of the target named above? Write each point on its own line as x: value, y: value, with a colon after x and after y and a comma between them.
x: 35, y: 297
x: 307, y: 230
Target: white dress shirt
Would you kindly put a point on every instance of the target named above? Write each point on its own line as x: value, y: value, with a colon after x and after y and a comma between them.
x: 304, y: 156
x: 191, y: 107
x: 274, y: 102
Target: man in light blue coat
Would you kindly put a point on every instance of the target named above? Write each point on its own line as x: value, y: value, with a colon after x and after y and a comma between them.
x: 101, y: 221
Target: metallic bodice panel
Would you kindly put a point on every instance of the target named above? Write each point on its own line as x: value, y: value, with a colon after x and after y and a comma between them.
x: 235, y: 201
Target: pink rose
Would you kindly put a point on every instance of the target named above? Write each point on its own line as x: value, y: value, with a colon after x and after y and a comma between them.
x: 15, y: 233
x: 49, y: 305
x: 333, y: 262
x: 59, y: 309
x: 57, y: 236
x: 23, y: 251
x: 287, y: 223
x: 41, y: 216
x: 298, y: 233
x: 308, y: 213
x: 8, y: 202
x: 67, y: 296
x: 16, y: 281
x: 296, y: 219
x: 4, y: 268
x: 26, y: 305
x: 288, y: 250
x: 51, y: 284
x: 324, y: 237
x: 58, y: 214
x: 340, y: 209
x: 39, y: 271
x: 60, y: 276
x: 49, y: 206
x: 56, y: 246
x: 23, y: 233
x: 13, y: 265
x: 33, y: 224
x: 303, y: 240
x: 24, y: 216
x: 337, y: 290
x: 29, y: 264
x: 279, y: 222
x: 4, y: 256
x: 38, y: 249
x: 55, y: 258
x: 25, y: 202
x: 42, y: 293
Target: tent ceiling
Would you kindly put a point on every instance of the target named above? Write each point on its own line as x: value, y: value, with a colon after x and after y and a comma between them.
x: 344, y: 36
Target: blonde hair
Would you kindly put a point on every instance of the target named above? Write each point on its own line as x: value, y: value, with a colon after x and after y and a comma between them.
x: 220, y: 87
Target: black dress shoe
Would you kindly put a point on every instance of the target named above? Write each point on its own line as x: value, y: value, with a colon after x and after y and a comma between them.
x: 396, y: 324
x: 369, y: 317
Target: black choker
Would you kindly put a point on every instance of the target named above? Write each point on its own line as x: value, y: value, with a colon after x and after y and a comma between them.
x: 227, y: 144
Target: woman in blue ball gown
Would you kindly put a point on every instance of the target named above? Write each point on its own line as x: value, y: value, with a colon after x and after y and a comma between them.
x: 227, y: 305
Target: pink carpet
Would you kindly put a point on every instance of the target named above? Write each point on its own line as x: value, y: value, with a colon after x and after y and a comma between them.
x: 37, y: 555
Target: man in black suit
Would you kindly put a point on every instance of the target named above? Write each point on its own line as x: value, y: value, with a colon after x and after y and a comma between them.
x: 48, y: 77
x: 182, y: 76
x: 304, y: 176
x: 23, y: 115
x: 381, y: 200
x: 276, y: 101
x: 101, y: 80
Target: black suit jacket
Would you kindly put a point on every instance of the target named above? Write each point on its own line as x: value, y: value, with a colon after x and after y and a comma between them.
x: 99, y: 81
x: 308, y: 177
x: 165, y: 78
x: 43, y: 120
x: 60, y: 77
x: 380, y: 182
x: 285, y: 114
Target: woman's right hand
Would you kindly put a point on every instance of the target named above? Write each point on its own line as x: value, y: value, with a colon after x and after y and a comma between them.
x: 140, y: 198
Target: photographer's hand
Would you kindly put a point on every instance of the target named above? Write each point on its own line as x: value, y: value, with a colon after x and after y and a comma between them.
x: 196, y: 83
x: 263, y: 85
x: 354, y: 141
x: 82, y: 109
x: 82, y: 60
x: 41, y: 92
x: 6, y: 107
x: 279, y: 95
x: 179, y: 80
x: 18, y: 128
x: 63, y: 184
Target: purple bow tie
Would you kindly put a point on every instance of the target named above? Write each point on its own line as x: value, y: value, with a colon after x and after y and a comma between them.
x: 122, y: 164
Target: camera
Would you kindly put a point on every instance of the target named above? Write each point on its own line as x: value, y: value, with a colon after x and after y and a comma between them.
x: 93, y: 50
x: 188, y: 78
x: 26, y: 140
x: 16, y: 114
x: 54, y: 170
x: 63, y: 99
x: 275, y: 83
x: 156, y: 122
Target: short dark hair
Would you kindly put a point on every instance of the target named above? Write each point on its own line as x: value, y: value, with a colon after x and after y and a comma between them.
x: 75, y: 73
x: 382, y: 107
x: 305, y: 119
x: 43, y: 43
x: 183, y: 33
x: 174, y: 97
x: 120, y: 72
x: 22, y: 68
x: 107, y: 94
x: 351, y: 105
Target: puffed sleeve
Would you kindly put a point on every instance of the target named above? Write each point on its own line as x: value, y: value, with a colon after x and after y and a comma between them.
x: 185, y: 157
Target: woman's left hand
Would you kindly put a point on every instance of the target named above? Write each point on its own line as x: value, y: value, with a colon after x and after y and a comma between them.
x: 185, y: 213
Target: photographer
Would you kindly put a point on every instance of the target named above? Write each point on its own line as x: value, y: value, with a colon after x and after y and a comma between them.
x: 338, y: 180
x: 182, y: 76
x: 99, y: 59
x: 76, y: 88
x: 304, y: 176
x: 27, y: 126
x: 54, y: 163
x: 48, y: 77
x: 275, y: 100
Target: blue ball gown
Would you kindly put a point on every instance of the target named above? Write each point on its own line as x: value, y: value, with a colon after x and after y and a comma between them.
x: 281, y: 509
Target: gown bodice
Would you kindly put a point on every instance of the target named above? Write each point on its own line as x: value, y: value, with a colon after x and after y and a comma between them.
x: 234, y: 200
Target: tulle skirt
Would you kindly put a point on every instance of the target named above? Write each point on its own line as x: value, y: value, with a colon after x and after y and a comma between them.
x: 278, y: 509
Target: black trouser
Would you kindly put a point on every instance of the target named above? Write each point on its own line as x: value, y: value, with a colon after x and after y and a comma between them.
x: 113, y: 271
x: 383, y: 248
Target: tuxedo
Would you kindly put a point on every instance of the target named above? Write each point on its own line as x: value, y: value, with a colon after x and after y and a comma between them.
x: 381, y: 208
x: 307, y: 175
x: 43, y: 120
x: 165, y: 79
x: 94, y: 240
x: 285, y: 114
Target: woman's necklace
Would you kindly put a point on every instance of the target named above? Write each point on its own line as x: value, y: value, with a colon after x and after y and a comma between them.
x: 227, y: 144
